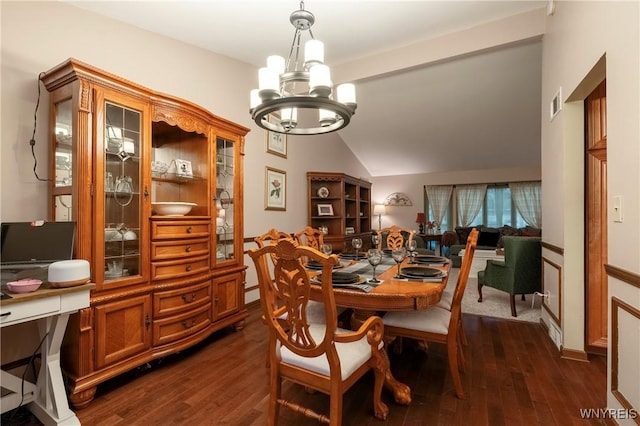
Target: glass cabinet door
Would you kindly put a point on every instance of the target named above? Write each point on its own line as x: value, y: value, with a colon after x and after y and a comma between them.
x: 122, y: 194
x: 63, y: 161
x: 225, y: 177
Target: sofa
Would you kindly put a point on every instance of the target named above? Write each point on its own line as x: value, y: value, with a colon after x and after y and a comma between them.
x: 488, y: 239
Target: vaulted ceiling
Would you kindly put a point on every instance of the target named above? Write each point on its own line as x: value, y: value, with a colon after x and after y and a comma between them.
x: 475, y: 111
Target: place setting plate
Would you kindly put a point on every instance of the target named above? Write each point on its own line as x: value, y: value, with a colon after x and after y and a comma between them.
x: 317, y: 266
x: 428, y: 258
x: 420, y: 272
x: 346, y: 280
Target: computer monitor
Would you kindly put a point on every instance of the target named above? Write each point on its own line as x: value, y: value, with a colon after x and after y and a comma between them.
x: 36, y: 242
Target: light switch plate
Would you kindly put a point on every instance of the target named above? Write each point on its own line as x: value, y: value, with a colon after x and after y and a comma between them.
x: 617, y: 208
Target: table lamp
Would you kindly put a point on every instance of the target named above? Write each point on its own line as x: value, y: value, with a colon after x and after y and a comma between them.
x: 379, y: 210
x: 421, y: 219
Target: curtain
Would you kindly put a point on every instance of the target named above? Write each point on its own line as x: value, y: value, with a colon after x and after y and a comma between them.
x: 470, y: 199
x: 439, y: 197
x: 526, y: 198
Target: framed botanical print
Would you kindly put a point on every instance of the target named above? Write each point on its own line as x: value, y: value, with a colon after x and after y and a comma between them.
x: 276, y: 142
x: 275, y: 189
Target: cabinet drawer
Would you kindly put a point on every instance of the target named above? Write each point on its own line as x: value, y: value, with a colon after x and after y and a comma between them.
x: 179, y: 268
x: 167, y: 330
x: 173, y: 302
x: 27, y: 311
x: 178, y: 230
x: 163, y: 250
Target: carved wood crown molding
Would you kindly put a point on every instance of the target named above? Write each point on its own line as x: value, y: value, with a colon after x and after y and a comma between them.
x: 90, y: 77
x: 84, y: 95
x: 183, y: 121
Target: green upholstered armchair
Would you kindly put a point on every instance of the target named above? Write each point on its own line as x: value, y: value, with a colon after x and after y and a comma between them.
x: 519, y: 273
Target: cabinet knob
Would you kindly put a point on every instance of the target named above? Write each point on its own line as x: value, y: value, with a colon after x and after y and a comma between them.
x: 188, y: 268
x: 189, y: 230
x: 188, y: 250
x: 188, y: 299
x: 189, y: 324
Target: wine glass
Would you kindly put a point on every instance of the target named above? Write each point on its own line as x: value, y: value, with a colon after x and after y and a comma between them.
x: 398, y: 255
x: 326, y: 248
x: 374, y: 256
x: 375, y: 240
x: 357, y: 244
x: 412, y: 246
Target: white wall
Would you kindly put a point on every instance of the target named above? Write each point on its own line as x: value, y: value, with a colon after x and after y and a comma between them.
x: 576, y: 38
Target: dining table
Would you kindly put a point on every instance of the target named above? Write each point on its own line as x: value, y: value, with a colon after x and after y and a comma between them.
x: 405, y: 293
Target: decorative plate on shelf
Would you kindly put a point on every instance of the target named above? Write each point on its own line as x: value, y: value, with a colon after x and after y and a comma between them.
x: 323, y: 192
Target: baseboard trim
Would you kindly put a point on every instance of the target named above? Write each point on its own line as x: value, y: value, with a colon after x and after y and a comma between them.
x: 574, y: 355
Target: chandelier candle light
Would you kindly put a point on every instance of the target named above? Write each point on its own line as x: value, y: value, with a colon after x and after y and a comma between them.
x: 285, y: 87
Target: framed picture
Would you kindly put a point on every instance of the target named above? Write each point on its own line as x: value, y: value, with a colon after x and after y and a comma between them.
x: 275, y: 189
x: 325, y: 210
x: 276, y: 142
x: 183, y: 168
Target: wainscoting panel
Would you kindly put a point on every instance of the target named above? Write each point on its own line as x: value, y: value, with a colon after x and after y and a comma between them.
x: 552, y: 285
x: 625, y: 354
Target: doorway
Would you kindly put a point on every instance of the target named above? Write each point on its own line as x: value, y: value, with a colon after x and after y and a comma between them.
x: 596, y: 287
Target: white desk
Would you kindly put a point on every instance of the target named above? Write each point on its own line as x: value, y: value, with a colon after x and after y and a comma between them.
x: 479, y: 262
x: 50, y: 307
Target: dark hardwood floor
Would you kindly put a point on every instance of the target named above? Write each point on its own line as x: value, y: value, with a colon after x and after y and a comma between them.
x: 514, y: 376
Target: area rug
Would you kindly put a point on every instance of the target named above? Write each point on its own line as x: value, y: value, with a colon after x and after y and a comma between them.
x: 495, y: 303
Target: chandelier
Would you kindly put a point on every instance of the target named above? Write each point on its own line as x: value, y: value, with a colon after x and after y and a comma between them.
x: 286, y: 87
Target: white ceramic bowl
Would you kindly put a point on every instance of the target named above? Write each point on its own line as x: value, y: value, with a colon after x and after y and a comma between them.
x: 26, y: 285
x: 172, y: 208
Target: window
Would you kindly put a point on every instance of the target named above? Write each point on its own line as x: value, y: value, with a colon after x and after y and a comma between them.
x: 447, y: 219
x: 498, y: 209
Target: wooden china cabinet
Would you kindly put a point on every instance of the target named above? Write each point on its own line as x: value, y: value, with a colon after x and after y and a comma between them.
x: 349, y: 215
x: 163, y: 282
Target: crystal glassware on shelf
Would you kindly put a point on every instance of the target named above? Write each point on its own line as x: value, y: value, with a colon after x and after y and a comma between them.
x: 398, y: 255
x: 326, y: 248
x: 374, y: 256
x: 412, y: 246
x: 357, y: 244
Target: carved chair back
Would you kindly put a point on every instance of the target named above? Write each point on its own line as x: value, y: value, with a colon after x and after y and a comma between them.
x: 394, y: 237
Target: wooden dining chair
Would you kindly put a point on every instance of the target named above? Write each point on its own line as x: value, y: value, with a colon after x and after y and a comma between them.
x: 310, y: 237
x: 315, y: 310
x: 272, y: 236
x: 437, y: 324
x: 394, y: 237
x: 322, y: 357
